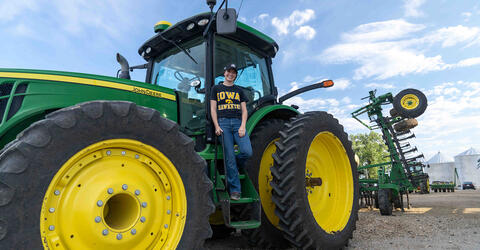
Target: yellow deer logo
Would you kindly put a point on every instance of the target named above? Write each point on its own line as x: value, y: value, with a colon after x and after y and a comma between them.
x: 229, y: 101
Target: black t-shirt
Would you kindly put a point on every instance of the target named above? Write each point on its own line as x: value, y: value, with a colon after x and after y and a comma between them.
x: 228, y: 100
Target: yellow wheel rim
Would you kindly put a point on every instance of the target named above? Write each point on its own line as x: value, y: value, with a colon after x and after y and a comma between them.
x: 409, y: 101
x: 331, y: 203
x: 115, y: 194
x: 264, y: 179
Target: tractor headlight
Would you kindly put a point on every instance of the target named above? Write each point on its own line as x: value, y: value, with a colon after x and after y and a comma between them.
x: 202, y: 22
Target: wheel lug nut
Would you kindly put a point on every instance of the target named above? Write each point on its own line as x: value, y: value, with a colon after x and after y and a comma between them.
x: 144, y: 204
x: 169, y: 212
x: 105, y: 232
x: 166, y: 226
x: 51, y: 210
x: 137, y: 156
x: 123, y: 152
x: 99, y: 203
x: 134, y: 231
x: 57, y: 192
x: 98, y: 219
x: 119, y: 236
x: 142, y: 219
x: 124, y: 186
x: 109, y: 152
x: 137, y: 192
x: 110, y: 190
x: 168, y: 197
x: 51, y: 227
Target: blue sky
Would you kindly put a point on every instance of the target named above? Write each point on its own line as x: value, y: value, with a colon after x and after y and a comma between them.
x: 361, y: 45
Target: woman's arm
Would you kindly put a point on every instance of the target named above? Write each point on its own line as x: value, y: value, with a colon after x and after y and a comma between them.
x: 213, y: 112
x: 242, y: 130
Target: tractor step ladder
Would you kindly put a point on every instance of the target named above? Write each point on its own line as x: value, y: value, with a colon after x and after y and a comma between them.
x: 249, y: 200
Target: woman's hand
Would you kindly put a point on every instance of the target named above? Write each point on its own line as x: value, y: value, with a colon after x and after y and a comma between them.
x: 241, y: 131
x: 218, y: 130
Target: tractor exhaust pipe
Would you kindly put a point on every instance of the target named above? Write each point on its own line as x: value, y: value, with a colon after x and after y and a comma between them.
x: 124, y: 74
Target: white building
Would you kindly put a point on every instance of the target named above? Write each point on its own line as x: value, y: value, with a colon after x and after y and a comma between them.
x: 442, y: 168
x: 467, y: 164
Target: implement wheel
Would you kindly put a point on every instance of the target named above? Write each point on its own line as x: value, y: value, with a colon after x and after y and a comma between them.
x: 385, y: 201
x: 315, y: 182
x: 263, y: 139
x: 405, y: 125
x: 103, y: 175
x: 410, y: 103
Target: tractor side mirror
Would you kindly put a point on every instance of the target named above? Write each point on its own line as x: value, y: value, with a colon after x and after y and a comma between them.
x: 226, y: 21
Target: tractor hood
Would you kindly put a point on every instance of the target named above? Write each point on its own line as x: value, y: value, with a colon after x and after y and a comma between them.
x: 179, y: 33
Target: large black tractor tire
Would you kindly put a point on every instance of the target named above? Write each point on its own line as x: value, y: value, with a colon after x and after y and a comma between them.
x: 405, y: 125
x: 385, y: 201
x: 263, y: 139
x: 410, y: 103
x: 103, y: 175
x: 375, y: 197
x: 315, y: 182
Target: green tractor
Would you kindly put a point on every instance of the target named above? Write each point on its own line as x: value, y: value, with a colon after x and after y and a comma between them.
x: 98, y: 162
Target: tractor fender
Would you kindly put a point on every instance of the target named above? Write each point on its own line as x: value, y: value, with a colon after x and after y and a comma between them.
x: 273, y: 111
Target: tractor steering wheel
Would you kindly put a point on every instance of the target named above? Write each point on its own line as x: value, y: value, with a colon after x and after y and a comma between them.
x: 184, y: 82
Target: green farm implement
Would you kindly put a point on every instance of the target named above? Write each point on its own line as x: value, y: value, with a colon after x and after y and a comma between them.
x: 98, y: 162
x: 404, y: 172
x: 445, y: 186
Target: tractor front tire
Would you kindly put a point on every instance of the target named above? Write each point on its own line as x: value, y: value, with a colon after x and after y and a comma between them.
x: 103, y: 175
x: 315, y: 182
x: 263, y: 138
x: 410, y: 103
x: 385, y: 201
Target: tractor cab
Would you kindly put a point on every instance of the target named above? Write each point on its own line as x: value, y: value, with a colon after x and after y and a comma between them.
x: 189, y: 57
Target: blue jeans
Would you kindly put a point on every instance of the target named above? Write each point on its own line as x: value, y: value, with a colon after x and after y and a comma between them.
x: 230, y: 137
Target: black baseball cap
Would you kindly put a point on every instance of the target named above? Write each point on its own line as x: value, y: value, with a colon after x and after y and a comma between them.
x: 230, y: 66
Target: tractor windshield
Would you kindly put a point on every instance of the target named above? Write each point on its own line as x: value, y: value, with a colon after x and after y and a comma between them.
x: 174, y: 69
x: 252, y: 68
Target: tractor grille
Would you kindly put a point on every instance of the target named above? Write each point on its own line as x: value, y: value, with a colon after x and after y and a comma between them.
x: 17, y: 100
x: 6, y: 89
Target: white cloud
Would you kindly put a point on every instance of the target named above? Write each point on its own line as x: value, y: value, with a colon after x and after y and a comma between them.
x: 346, y: 100
x: 263, y: 16
x: 68, y: 19
x: 306, y: 32
x: 260, y: 19
x: 340, y: 84
x: 412, y: 8
x: 453, y: 112
x: 309, y: 78
x: 371, y: 46
x: 11, y: 9
x: 466, y: 16
x: 300, y: 17
x: 242, y: 19
x: 281, y: 25
x: 454, y: 35
x: 379, y: 85
x: 386, y: 30
x: 294, y: 86
x: 296, y: 19
x: 468, y: 62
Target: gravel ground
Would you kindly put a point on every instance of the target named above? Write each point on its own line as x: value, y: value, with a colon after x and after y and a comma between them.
x: 434, y: 221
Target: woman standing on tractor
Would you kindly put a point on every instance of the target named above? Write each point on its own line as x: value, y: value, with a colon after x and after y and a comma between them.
x: 228, y: 106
